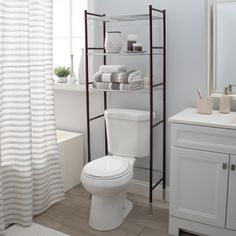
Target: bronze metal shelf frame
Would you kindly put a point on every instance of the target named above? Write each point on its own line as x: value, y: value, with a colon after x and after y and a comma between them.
x: 150, y: 17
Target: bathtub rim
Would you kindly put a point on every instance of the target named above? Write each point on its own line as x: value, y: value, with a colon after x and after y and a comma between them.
x: 63, y: 135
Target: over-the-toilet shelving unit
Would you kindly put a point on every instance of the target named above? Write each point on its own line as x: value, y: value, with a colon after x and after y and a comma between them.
x: 159, y: 50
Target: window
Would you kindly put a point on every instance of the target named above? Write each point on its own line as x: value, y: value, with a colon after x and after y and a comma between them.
x: 68, y: 31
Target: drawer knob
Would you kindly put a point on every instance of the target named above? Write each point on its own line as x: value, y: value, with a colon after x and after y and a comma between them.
x: 233, y: 167
x: 224, y: 166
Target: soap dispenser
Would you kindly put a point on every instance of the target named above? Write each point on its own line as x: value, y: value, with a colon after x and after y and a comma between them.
x: 225, y: 102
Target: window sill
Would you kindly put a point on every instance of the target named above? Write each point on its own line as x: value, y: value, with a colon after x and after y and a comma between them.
x: 69, y: 87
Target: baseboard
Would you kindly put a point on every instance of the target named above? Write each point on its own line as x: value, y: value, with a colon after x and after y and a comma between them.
x: 142, y: 188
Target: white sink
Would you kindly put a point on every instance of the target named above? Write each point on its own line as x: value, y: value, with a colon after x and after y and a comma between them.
x: 220, y: 118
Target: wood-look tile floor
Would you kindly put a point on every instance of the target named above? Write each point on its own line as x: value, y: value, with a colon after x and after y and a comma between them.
x: 71, y: 217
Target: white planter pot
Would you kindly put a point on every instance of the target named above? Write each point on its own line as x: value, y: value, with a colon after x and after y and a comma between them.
x: 113, y: 42
x: 62, y: 80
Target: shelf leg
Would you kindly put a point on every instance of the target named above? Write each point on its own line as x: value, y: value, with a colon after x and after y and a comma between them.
x: 151, y: 110
x: 150, y: 209
x: 164, y: 194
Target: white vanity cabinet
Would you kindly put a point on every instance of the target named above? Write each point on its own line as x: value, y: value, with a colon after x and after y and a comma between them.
x: 203, y: 174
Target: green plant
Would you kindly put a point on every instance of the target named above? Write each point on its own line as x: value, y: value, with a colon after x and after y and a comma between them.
x: 62, y: 71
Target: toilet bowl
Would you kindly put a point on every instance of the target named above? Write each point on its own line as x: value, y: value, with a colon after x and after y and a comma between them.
x: 107, y: 178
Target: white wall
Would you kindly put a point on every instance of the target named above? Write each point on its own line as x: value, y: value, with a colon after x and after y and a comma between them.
x: 70, y: 110
x: 186, y: 61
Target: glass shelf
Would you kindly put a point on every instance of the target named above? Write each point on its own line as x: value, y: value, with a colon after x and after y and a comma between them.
x: 143, y: 90
x: 123, y: 54
x: 124, y: 18
x: 142, y: 174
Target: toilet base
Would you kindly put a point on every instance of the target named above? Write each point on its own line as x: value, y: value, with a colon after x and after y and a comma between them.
x: 128, y: 206
x: 108, y: 213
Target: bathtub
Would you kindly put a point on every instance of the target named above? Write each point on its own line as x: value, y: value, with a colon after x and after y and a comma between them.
x: 71, y: 155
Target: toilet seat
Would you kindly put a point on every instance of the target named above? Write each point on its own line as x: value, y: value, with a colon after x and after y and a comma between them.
x: 107, y: 168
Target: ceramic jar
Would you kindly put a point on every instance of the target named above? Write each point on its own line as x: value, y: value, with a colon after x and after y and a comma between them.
x: 71, y: 80
x: 113, y: 42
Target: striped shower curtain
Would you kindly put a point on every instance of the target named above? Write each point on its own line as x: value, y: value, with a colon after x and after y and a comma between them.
x: 30, y: 179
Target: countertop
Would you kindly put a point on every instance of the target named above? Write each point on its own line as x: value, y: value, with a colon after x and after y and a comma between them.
x: 216, y: 119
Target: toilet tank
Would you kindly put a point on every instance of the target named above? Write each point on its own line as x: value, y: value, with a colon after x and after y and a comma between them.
x: 128, y: 132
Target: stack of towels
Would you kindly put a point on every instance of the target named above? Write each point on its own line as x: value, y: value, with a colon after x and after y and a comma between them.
x: 116, y: 77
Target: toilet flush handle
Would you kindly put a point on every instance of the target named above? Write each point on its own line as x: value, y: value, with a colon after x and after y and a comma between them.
x: 233, y: 167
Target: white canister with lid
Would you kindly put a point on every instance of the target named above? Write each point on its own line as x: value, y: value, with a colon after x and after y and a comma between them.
x: 113, y: 42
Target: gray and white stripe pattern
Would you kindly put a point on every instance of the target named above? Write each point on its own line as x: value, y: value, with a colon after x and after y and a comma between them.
x: 30, y: 178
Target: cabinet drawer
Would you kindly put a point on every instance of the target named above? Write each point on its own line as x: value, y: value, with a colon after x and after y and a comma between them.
x: 204, y: 138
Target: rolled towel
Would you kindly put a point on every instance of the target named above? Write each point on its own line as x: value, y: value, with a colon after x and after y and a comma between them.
x: 112, y: 68
x: 97, y: 77
x: 135, y: 76
x: 126, y: 87
x: 132, y: 86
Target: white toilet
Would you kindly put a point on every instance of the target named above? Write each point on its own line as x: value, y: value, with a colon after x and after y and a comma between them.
x: 107, y: 178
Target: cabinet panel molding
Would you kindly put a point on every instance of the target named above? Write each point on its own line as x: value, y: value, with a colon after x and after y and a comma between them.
x: 231, y: 208
x: 199, y: 185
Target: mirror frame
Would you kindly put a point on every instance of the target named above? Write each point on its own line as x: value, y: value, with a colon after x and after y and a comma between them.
x: 211, y: 28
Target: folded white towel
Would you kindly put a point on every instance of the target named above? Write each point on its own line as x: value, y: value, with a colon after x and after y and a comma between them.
x: 112, y: 68
x: 106, y: 77
x: 118, y: 86
x: 118, y: 77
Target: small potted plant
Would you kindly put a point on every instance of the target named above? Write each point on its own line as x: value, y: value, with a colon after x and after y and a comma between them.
x: 62, y: 72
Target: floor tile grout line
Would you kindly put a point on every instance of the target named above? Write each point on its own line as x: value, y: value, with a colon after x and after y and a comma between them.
x: 141, y: 231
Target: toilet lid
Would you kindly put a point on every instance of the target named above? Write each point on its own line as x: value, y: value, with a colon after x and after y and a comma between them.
x: 107, y: 166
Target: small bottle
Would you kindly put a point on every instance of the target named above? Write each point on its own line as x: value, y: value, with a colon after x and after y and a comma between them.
x: 225, y: 102
x: 131, y: 39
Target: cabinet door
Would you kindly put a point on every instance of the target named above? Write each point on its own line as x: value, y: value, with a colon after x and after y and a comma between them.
x: 231, y: 209
x: 199, y: 185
